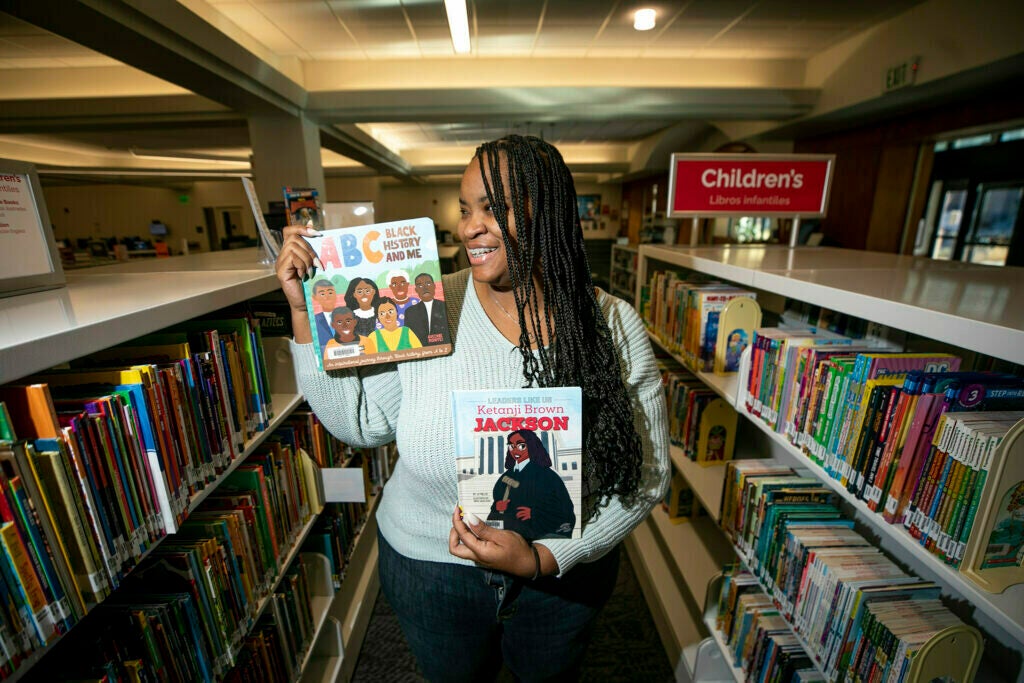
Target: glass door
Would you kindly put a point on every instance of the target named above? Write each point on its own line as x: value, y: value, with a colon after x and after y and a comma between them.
x: 995, y: 220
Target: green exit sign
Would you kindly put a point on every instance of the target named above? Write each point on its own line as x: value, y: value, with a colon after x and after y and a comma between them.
x: 901, y: 75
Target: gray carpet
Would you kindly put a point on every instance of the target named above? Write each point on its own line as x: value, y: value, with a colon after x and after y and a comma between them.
x: 625, y: 647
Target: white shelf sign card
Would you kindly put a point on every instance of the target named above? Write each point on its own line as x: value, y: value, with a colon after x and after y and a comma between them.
x: 28, y: 253
x: 792, y: 185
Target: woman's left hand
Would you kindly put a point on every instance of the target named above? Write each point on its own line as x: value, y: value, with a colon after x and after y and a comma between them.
x: 504, y: 551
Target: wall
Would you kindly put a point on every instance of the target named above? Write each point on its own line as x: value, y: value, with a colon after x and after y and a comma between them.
x: 874, y: 174
x: 86, y: 211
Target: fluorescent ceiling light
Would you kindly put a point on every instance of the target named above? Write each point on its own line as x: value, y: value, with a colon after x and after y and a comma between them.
x: 643, y: 19
x: 458, y: 24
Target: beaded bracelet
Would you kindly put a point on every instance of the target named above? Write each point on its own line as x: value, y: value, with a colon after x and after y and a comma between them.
x: 536, y: 559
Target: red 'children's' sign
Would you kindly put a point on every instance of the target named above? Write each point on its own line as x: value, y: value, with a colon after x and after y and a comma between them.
x: 749, y: 185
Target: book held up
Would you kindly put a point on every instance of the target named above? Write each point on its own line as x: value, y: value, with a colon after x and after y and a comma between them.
x: 379, y: 296
x: 518, y: 454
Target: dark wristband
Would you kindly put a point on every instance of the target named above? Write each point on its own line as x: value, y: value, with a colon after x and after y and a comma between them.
x: 536, y: 559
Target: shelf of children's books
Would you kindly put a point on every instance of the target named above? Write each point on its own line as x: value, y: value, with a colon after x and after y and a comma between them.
x: 318, y: 571
x: 970, y: 306
x: 1005, y: 610
x: 718, y: 639
x: 723, y: 385
x: 283, y: 404
x: 707, y: 482
x: 698, y: 548
x: 673, y: 608
x: 97, y: 311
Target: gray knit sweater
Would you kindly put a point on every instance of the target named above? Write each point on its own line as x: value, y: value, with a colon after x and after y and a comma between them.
x: 409, y: 403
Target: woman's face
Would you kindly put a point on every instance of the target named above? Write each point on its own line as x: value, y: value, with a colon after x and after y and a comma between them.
x: 388, y: 315
x: 479, y: 231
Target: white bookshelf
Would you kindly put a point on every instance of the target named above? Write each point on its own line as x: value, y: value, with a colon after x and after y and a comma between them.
x: 966, y: 305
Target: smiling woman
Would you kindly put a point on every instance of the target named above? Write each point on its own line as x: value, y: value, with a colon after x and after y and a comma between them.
x: 525, y: 313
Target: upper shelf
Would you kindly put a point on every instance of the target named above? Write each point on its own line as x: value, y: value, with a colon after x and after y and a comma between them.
x: 964, y: 304
x: 107, y: 305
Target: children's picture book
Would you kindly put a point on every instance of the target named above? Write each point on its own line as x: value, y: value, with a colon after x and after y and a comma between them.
x: 379, y: 296
x: 303, y: 206
x: 518, y: 455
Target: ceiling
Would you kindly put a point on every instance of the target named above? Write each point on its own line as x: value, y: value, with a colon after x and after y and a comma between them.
x: 111, y: 84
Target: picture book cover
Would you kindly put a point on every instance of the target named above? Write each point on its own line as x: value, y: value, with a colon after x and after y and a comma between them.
x: 379, y: 296
x: 303, y: 206
x: 518, y: 454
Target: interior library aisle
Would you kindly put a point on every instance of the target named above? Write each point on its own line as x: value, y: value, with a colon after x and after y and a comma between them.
x: 625, y: 646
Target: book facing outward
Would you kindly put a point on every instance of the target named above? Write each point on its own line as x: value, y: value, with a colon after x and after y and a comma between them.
x: 378, y: 297
x: 518, y: 454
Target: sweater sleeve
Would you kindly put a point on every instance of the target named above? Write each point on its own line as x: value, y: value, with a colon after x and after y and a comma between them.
x: 643, y: 382
x: 358, y: 406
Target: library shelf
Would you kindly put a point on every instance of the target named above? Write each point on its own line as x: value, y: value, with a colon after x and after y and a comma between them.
x: 707, y: 482
x: 353, y: 603
x: 676, y: 615
x: 727, y: 667
x: 102, y: 307
x: 970, y: 306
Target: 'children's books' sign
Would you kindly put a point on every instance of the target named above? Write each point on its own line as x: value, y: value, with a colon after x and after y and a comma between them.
x: 749, y: 185
x: 379, y: 296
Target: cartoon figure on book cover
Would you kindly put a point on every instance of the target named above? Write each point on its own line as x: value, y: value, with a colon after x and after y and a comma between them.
x: 326, y: 295
x: 390, y: 337
x: 345, y: 342
x: 428, y: 317
x: 398, y: 281
x: 530, y: 498
x: 363, y: 297
x: 737, y: 342
x: 1006, y: 542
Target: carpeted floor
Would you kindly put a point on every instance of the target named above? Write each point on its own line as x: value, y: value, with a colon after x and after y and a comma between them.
x: 625, y: 648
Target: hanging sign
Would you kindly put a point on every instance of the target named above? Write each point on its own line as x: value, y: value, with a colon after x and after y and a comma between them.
x: 28, y: 254
x: 792, y: 185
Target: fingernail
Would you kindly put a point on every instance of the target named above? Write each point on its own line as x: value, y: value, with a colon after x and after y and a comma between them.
x: 470, y: 519
x: 316, y: 262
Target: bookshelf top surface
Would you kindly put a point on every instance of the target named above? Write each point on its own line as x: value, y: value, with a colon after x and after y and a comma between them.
x: 969, y: 305
x: 101, y: 307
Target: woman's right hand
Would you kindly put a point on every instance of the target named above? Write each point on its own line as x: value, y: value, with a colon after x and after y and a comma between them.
x: 295, y: 262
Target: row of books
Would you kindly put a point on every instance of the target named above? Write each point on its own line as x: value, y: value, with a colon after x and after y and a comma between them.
x: 701, y: 423
x: 100, y: 461
x: 680, y: 503
x: 757, y: 638
x: 822, y: 575
x: 868, y: 418
x: 684, y: 314
x: 212, y: 579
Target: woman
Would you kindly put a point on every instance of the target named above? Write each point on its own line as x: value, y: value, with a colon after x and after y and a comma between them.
x: 469, y: 596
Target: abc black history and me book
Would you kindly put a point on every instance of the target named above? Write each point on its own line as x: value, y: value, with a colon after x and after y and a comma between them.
x: 379, y: 296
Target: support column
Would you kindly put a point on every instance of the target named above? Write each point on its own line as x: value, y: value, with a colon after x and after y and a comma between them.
x: 285, y: 152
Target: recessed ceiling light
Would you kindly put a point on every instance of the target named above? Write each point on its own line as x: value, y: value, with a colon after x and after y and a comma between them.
x: 643, y: 19
x: 458, y: 24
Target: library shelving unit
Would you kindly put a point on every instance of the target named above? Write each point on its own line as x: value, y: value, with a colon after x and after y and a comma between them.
x: 622, y: 271
x: 107, y: 305
x: 974, y: 308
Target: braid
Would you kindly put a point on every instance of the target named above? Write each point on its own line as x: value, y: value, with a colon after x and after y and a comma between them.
x: 549, y: 239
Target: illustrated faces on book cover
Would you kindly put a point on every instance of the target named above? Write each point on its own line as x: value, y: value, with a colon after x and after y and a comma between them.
x: 344, y: 324
x: 387, y: 313
x: 362, y: 293
x: 325, y: 295
x: 425, y: 287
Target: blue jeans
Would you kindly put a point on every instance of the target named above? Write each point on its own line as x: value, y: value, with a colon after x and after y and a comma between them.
x: 461, y: 622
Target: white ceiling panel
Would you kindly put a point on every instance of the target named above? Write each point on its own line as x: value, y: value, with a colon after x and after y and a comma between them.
x: 260, y: 27
x: 504, y: 12
x: 312, y: 25
x: 46, y: 45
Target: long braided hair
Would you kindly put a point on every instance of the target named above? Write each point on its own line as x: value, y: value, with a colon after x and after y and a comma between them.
x: 541, y: 197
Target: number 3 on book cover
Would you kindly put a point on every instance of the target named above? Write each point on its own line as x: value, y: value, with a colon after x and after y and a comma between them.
x: 379, y: 296
x: 518, y: 455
